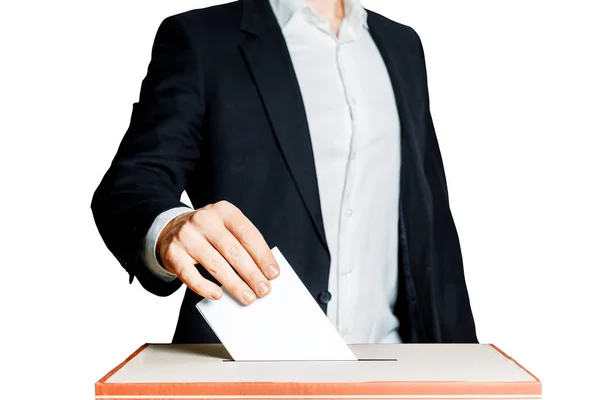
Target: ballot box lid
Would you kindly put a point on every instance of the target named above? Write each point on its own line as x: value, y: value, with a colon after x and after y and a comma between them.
x: 383, y: 371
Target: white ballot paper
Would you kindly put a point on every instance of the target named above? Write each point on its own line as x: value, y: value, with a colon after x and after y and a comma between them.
x: 286, y: 325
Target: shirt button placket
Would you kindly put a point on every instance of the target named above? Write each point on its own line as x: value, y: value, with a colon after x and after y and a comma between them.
x: 345, y: 284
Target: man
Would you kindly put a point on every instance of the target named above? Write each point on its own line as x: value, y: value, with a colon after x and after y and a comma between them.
x: 298, y: 124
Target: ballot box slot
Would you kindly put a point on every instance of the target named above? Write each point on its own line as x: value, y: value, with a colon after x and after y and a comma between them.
x: 328, y: 361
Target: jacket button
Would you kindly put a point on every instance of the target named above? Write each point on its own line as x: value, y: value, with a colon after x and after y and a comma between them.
x: 324, y: 297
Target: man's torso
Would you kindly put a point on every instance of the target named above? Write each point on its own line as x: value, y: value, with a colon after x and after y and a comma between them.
x: 255, y: 151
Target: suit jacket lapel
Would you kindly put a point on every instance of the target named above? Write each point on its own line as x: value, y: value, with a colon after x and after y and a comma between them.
x: 268, y: 59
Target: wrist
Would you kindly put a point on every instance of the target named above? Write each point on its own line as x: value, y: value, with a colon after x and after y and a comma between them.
x: 168, y: 233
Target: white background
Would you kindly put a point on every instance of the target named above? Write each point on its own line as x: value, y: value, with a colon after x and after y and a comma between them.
x: 515, y: 92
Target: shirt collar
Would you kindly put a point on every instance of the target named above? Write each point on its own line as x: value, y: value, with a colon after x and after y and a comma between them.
x: 284, y: 10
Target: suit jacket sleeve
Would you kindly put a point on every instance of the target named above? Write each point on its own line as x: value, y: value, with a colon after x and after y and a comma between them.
x: 156, y: 156
x: 451, y: 280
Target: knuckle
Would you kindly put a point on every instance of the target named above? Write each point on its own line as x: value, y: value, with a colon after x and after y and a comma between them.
x: 199, y: 288
x: 206, y: 220
x: 185, y: 231
x: 223, y: 204
x: 200, y: 215
x: 234, y: 251
x: 216, y: 208
x: 225, y: 207
x: 213, y: 267
x: 238, y: 289
x: 265, y: 260
x: 249, y: 235
x: 255, y: 277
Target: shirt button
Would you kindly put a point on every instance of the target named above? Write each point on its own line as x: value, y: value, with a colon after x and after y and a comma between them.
x: 353, y: 155
x: 349, y: 212
x: 324, y: 297
x: 347, y: 274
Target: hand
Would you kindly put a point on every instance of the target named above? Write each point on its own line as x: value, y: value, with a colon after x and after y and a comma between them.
x: 218, y: 237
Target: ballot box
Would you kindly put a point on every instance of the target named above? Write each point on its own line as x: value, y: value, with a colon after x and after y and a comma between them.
x: 383, y: 371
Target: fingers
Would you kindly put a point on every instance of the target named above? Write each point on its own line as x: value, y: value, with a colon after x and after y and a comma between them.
x: 183, y: 265
x: 219, y: 237
x: 250, y: 239
x: 234, y: 254
x: 219, y: 268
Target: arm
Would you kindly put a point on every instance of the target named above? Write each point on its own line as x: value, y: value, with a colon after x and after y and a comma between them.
x: 157, y: 154
x: 135, y: 205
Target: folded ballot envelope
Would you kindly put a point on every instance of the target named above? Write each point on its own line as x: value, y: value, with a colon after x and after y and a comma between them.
x: 382, y: 371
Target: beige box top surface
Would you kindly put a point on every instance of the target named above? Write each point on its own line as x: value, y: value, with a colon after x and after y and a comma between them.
x: 407, y: 362
x: 423, y: 371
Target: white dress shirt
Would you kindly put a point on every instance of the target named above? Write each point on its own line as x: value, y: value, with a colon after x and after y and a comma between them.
x: 355, y: 133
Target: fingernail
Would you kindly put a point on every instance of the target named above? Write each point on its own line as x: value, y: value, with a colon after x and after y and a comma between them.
x: 273, y: 271
x: 216, y: 295
x: 248, y: 297
x: 262, y: 288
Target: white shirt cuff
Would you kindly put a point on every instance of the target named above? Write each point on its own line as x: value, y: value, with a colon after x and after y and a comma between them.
x: 149, y: 248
